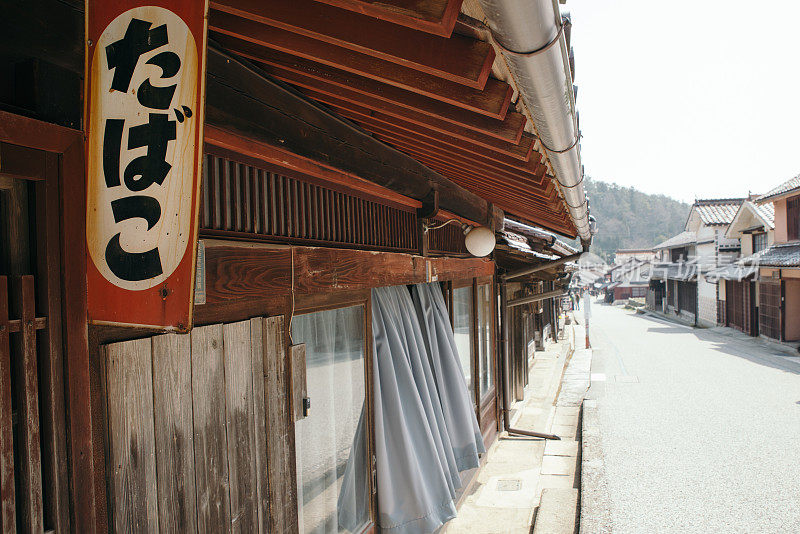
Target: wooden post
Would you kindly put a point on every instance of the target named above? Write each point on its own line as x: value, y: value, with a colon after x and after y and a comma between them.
x: 7, y: 497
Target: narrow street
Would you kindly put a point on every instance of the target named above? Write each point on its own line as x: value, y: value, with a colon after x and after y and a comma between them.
x: 699, y: 430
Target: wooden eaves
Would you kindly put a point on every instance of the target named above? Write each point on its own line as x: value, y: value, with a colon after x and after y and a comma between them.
x: 410, y: 81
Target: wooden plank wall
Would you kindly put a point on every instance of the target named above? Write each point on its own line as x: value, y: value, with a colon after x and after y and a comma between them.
x: 188, y: 419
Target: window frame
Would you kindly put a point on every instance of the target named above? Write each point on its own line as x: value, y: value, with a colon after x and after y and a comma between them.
x: 793, y: 218
x: 312, y: 303
x: 485, y: 399
x: 473, y: 360
x: 760, y: 235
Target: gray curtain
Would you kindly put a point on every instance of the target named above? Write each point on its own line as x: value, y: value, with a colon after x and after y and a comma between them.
x: 459, y: 413
x: 422, y: 431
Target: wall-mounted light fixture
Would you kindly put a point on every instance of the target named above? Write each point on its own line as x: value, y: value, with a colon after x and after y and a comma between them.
x: 479, y: 240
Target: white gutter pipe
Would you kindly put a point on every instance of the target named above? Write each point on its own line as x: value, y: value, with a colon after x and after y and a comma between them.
x: 531, y: 35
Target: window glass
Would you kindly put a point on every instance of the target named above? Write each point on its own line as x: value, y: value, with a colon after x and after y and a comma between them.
x: 331, y: 442
x: 759, y: 242
x: 462, y: 328
x: 485, y: 338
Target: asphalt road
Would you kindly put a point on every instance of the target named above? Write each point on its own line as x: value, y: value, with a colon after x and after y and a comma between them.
x: 699, y: 429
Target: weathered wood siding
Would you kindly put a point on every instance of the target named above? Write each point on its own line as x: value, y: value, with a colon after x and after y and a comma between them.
x: 200, y: 437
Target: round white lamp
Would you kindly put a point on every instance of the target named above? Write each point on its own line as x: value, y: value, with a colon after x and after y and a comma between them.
x: 479, y: 240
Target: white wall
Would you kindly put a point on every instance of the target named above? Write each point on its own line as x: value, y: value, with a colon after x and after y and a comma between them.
x: 706, y: 302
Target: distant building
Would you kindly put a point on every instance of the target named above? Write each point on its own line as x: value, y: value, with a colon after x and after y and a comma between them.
x: 623, y: 255
x: 709, y: 219
x: 678, y: 285
x: 628, y: 280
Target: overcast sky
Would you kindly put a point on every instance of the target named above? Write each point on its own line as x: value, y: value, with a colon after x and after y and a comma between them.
x: 694, y: 99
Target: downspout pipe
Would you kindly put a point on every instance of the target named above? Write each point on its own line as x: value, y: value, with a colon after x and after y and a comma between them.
x: 530, y: 34
x: 504, y: 365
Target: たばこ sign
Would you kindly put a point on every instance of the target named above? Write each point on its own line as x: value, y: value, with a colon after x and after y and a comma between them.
x: 145, y: 121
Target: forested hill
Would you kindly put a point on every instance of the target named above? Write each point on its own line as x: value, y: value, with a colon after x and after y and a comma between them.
x: 627, y: 218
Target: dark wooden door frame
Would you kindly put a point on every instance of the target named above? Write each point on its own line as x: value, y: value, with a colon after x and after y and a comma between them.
x: 84, y: 424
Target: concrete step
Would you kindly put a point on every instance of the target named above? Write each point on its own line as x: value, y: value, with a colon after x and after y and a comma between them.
x: 556, y: 513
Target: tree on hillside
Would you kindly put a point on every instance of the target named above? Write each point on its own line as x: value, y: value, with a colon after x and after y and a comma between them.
x: 628, y: 218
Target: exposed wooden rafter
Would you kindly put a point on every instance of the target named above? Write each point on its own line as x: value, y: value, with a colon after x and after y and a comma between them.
x: 394, y: 69
x: 433, y: 16
x: 256, y: 41
x: 459, y: 59
x: 513, y: 154
x: 379, y: 96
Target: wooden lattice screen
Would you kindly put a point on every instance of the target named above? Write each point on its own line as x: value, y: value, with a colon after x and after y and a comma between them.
x: 242, y: 200
x: 20, y: 431
x: 769, y: 309
x: 739, y: 306
x: 687, y: 296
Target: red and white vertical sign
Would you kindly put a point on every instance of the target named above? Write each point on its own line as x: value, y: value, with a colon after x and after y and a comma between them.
x: 144, y: 117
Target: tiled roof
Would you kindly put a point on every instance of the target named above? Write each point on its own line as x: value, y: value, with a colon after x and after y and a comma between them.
x: 684, y: 238
x: 767, y: 211
x: 731, y: 272
x: 717, y: 211
x: 674, y: 271
x: 783, y: 255
x: 785, y: 187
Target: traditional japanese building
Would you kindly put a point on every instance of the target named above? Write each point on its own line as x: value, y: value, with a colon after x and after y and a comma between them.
x: 753, y: 228
x: 778, y: 264
x: 687, y: 257
x: 276, y: 269
x: 673, y: 277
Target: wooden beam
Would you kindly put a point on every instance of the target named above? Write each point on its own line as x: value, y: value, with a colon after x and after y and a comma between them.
x: 524, y: 184
x: 460, y: 59
x: 513, y: 154
x: 519, y: 156
x: 349, y: 86
x: 513, y: 202
x: 240, y: 100
x: 485, y: 159
x: 252, y: 152
x: 479, y: 129
x: 21, y: 162
x: 257, y: 42
x: 239, y: 272
x: 509, y: 199
x: 498, y: 185
x: 541, y: 266
x: 433, y: 16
